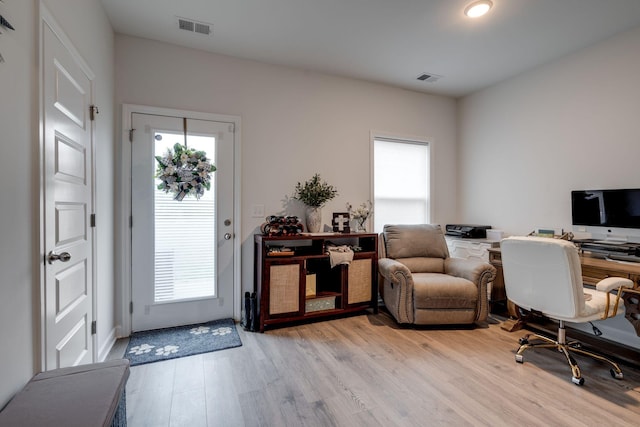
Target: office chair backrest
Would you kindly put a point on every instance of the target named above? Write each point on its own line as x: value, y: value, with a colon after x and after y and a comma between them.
x: 543, y: 274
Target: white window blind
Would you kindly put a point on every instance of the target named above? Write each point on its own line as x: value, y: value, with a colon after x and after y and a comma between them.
x: 185, y: 234
x: 401, y: 182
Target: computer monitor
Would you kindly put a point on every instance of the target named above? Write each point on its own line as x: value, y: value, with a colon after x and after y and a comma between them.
x: 607, y: 214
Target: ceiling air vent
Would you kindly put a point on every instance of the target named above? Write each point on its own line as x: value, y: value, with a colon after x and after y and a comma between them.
x: 428, y: 77
x: 202, y: 28
x: 194, y: 26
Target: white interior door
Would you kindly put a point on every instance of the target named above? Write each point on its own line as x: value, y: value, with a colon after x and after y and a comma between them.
x: 68, y: 304
x: 182, y: 250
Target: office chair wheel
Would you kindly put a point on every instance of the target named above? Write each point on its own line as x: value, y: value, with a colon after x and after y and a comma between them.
x: 519, y: 358
x: 616, y: 375
x: 524, y: 340
x: 577, y: 381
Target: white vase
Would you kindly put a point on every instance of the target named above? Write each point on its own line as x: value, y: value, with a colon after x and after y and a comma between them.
x: 360, y: 227
x: 314, y: 219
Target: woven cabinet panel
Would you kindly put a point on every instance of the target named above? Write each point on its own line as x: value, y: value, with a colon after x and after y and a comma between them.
x: 359, y: 281
x: 284, y: 288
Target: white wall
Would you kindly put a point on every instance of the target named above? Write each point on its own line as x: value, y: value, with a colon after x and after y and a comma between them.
x: 19, y: 196
x: 87, y: 26
x: 571, y: 124
x: 294, y: 123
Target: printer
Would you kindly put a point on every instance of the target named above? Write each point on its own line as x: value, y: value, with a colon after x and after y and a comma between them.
x: 470, y: 231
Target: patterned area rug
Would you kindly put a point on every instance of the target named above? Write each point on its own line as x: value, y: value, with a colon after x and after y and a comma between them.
x: 171, y: 343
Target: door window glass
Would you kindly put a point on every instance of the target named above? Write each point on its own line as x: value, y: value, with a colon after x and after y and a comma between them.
x: 185, y: 232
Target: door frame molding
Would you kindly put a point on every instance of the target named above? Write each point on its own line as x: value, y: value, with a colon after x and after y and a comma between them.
x: 46, y: 18
x: 123, y: 225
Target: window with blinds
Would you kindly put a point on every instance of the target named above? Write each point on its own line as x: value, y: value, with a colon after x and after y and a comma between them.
x: 401, y: 173
x: 185, y: 233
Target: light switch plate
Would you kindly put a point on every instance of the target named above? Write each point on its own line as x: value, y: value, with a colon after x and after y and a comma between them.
x: 257, y: 211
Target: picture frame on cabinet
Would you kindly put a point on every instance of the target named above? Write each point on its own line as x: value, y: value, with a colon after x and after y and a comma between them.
x: 340, y: 222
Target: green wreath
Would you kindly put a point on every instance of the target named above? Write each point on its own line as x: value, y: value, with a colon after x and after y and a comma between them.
x: 184, y: 172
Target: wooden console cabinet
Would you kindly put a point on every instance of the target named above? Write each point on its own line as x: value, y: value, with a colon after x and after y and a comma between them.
x: 294, y: 279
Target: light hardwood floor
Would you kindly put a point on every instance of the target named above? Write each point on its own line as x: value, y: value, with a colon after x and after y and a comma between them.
x: 367, y: 371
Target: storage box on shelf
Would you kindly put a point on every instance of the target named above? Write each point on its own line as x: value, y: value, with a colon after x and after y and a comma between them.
x: 294, y: 279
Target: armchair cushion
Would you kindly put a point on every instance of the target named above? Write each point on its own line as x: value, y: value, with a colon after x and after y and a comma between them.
x: 442, y: 291
x: 411, y: 241
x: 423, y: 265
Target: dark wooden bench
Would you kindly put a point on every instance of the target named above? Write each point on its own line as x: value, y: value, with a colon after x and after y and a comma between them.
x: 83, y: 396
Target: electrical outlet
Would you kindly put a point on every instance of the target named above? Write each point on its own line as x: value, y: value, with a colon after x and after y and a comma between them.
x: 257, y: 211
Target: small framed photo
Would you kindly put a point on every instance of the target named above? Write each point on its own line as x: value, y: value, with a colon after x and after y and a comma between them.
x: 340, y: 222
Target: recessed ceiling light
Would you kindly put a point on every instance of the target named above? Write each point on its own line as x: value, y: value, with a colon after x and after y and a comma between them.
x: 478, y: 8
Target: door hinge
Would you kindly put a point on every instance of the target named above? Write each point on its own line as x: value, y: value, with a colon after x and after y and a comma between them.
x: 93, y: 220
x: 231, y: 127
x: 93, y: 110
x: 131, y: 135
x: 131, y: 307
x: 94, y: 327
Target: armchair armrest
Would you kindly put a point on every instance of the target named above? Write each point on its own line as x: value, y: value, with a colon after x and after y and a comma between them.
x: 398, y: 289
x: 473, y: 270
x: 478, y: 272
x: 394, y: 271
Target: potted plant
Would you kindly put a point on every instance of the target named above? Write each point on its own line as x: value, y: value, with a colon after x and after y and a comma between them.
x: 314, y: 193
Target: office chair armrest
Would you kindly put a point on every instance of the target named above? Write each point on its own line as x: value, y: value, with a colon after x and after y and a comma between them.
x: 394, y: 271
x: 612, y: 283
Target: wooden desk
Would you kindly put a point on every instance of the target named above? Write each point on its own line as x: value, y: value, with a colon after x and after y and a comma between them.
x: 593, y: 270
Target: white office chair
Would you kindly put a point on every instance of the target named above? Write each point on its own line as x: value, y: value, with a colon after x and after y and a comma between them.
x: 543, y: 275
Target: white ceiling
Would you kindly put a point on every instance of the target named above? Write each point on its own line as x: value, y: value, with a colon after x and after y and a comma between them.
x: 387, y: 41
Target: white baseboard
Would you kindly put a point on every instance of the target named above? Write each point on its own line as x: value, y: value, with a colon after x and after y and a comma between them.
x: 103, y: 352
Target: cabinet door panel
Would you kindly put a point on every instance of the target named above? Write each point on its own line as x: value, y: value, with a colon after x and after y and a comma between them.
x: 359, y: 281
x: 284, y: 288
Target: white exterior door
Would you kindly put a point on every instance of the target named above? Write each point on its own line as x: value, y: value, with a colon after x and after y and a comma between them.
x: 67, y: 156
x: 182, y: 250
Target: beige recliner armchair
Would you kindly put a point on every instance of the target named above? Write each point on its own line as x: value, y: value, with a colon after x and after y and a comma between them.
x: 422, y: 285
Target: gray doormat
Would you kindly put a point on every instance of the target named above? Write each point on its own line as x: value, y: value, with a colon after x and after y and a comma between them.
x: 180, y: 341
